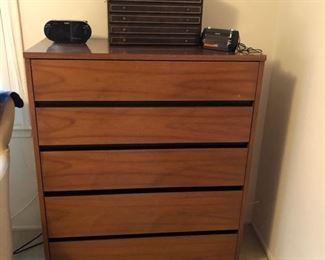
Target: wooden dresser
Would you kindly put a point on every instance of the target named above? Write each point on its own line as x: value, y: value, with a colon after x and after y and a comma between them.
x: 142, y: 154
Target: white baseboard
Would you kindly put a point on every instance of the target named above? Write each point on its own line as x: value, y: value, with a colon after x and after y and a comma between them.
x: 25, y: 228
x: 264, y: 245
x: 20, y: 132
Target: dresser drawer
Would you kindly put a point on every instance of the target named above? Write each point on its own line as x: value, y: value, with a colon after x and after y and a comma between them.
x: 94, y: 215
x: 91, y: 170
x: 162, y: 8
x: 207, y: 247
x: 125, y: 125
x: 145, y: 80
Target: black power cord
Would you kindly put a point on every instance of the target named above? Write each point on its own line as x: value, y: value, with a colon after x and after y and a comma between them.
x: 24, y: 248
x: 242, y: 48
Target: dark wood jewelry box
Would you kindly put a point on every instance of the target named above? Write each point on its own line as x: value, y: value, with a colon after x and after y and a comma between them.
x: 155, y: 22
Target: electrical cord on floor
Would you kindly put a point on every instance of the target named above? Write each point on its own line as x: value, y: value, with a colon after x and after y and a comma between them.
x: 25, y: 207
x: 24, y: 248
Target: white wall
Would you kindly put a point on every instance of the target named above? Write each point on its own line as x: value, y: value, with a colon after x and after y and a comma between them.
x: 23, y: 185
x: 256, y: 21
x: 23, y: 188
x: 35, y: 13
x: 290, y: 217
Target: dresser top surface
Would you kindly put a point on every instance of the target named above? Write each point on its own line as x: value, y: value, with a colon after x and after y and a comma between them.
x: 97, y: 48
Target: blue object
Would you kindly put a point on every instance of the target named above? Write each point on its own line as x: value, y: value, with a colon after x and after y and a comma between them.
x: 4, y: 95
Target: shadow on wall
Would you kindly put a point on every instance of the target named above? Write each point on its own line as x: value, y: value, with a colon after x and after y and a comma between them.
x: 219, y: 14
x: 281, y: 90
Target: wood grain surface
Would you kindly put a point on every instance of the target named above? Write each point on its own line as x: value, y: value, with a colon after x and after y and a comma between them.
x: 96, y: 71
x: 251, y: 150
x: 90, y: 170
x: 143, y: 80
x: 37, y: 155
x: 73, y: 216
x: 211, y: 247
x: 99, y: 49
x: 108, y: 125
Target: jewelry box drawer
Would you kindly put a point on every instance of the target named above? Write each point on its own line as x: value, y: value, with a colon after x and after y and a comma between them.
x: 79, y: 80
x: 156, y: 9
x: 208, y: 247
x: 141, y: 125
x: 159, y: 1
x: 154, y: 19
x: 142, y: 213
x: 154, y: 40
x: 150, y: 168
x: 154, y: 30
